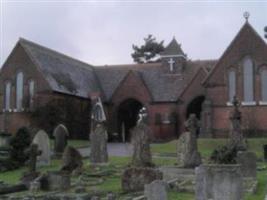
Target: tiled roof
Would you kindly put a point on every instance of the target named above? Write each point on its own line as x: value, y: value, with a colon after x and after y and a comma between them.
x: 70, y: 76
x: 64, y: 74
x: 163, y: 87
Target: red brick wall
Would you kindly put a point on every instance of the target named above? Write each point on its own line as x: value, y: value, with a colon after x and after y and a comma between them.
x: 246, y: 43
x: 133, y: 87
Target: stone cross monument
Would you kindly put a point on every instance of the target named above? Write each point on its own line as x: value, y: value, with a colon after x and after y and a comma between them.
x: 236, y: 135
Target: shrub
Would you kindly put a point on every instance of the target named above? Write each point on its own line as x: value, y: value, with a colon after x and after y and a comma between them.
x: 19, y: 143
x: 224, y: 155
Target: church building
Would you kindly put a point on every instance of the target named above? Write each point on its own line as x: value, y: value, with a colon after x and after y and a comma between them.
x: 170, y: 90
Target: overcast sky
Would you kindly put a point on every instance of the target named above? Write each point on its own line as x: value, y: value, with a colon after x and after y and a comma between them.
x: 103, y: 32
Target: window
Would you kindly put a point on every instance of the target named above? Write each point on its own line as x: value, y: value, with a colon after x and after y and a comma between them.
x: 264, y: 85
x: 19, y: 91
x: 7, y: 95
x: 248, y: 80
x: 31, y: 92
x: 231, y: 85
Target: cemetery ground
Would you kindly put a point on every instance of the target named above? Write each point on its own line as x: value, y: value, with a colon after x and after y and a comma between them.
x: 108, y: 178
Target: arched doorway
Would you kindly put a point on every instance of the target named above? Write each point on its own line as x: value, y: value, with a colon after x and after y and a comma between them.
x: 195, y: 106
x: 127, y: 117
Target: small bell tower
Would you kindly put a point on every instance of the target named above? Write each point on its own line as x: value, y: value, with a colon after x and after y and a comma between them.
x: 173, y: 58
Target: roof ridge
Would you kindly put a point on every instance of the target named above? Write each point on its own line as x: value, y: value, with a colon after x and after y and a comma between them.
x: 57, y: 52
x: 128, y: 65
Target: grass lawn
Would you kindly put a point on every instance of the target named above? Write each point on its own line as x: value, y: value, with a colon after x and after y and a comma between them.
x: 74, y: 143
x: 113, y: 181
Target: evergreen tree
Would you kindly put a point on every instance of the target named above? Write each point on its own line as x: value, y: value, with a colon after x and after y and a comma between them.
x: 265, y: 32
x: 149, y: 52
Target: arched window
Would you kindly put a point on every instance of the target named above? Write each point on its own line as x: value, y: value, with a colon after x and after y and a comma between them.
x: 7, y: 95
x: 31, y: 92
x: 231, y: 85
x: 248, y: 80
x: 19, y: 91
x: 264, y: 85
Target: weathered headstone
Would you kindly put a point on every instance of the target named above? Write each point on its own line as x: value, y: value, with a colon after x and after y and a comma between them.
x: 98, y: 135
x: 236, y: 135
x: 248, y: 162
x: 56, y: 181
x: 141, y: 170
x: 98, y: 138
x: 218, y: 182
x: 141, y: 146
x: 42, y: 140
x: 187, y: 151
x: 157, y: 190
x: 71, y: 161
x: 61, y: 135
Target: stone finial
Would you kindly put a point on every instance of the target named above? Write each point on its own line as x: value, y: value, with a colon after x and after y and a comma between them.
x: 246, y: 15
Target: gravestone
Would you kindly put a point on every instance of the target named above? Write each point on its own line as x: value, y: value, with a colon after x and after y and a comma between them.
x: 187, y: 151
x: 61, y: 135
x: 42, y: 140
x: 141, y: 170
x: 98, y: 138
x: 248, y: 162
x: 236, y: 135
x: 157, y: 190
x: 140, y: 141
x: 4, y: 147
x: 218, y: 182
x: 71, y: 161
x: 98, y: 135
x: 56, y: 180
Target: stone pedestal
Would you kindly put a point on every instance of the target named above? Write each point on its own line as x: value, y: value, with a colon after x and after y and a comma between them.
x: 219, y: 182
x: 157, y: 190
x: 55, y: 180
x: 248, y: 162
x: 135, y: 178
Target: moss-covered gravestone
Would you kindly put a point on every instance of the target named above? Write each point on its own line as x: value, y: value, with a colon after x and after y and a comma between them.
x: 141, y: 170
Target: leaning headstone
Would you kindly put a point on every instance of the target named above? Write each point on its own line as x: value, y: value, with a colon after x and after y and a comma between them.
x: 71, y: 161
x: 141, y: 170
x: 218, y: 182
x: 98, y: 139
x: 248, y: 162
x: 187, y: 151
x: 157, y: 190
x: 42, y: 140
x: 61, y: 135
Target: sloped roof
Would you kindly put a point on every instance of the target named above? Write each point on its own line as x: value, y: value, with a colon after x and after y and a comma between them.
x: 64, y: 74
x: 242, y: 36
x: 163, y: 87
x: 70, y: 76
x: 173, y: 49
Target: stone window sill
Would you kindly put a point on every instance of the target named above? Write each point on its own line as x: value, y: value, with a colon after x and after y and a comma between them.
x: 263, y: 103
x: 229, y: 103
x: 14, y: 110
x: 251, y: 103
